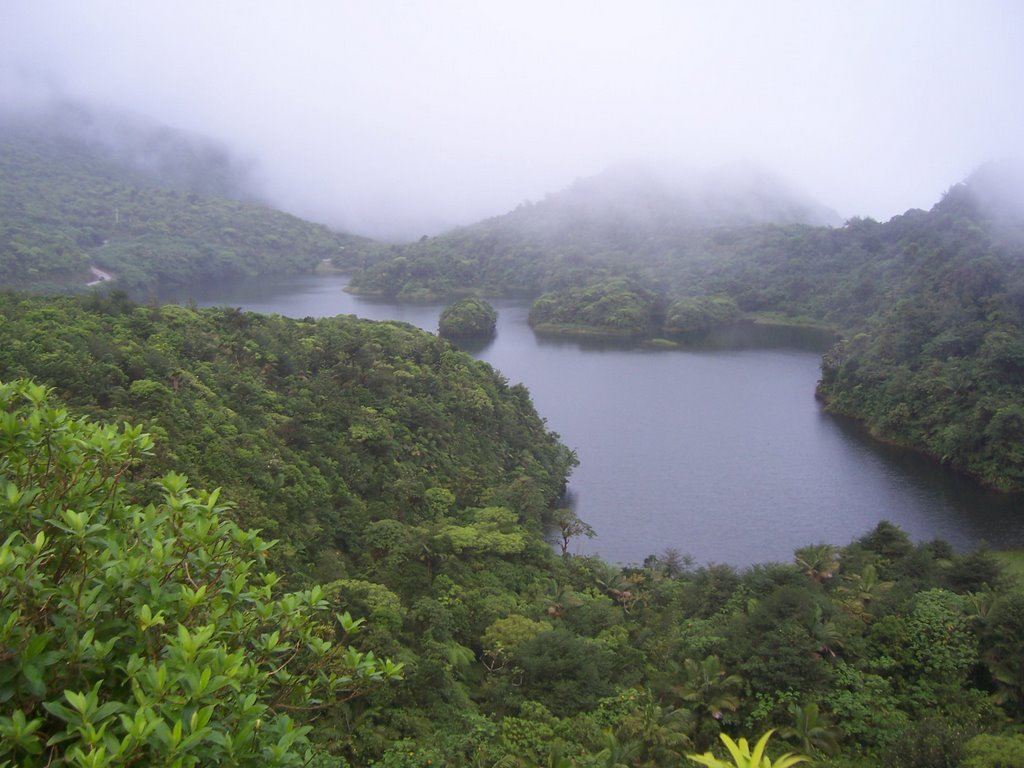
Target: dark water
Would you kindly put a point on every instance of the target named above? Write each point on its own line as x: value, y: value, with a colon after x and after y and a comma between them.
x: 719, y: 452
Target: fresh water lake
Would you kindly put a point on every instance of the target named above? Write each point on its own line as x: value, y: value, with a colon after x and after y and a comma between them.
x: 719, y: 452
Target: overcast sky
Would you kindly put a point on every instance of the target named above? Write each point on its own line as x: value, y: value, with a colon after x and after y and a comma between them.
x: 395, y: 117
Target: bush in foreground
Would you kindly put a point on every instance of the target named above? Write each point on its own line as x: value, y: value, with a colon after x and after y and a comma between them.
x: 135, y: 635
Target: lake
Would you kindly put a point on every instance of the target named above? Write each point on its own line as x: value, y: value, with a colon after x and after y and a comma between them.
x: 720, y: 452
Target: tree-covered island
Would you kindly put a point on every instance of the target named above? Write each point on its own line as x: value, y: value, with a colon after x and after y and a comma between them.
x: 469, y: 317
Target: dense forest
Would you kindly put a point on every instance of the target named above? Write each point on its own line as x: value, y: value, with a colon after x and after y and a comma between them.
x: 67, y: 204
x: 241, y: 398
x: 415, y: 488
x: 626, y: 220
x: 470, y: 317
x: 239, y: 539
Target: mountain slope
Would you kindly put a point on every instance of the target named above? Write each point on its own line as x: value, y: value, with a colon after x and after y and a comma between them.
x: 392, y: 411
x: 940, y: 365
x: 627, y: 217
x: 69, y: 200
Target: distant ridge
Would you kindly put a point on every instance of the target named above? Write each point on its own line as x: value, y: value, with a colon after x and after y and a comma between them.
x: 632, y: 212
x: 150, y: 206
x: 729, y: 195
x: 171, y: 157
x: 993, y: 193
x: 632, y: 200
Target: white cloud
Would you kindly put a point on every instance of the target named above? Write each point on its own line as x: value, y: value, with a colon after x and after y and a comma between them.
x: 401, y: 116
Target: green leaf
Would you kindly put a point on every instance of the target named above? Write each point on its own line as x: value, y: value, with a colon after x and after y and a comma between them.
x: 60, y: 711
x: 106, y: 710
x: 33, y: 674
x: 79, y: 701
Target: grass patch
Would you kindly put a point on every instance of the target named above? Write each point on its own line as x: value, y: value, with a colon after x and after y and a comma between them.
x: 780, y: 320
x: 1012, y: 561
x: 585, y: 331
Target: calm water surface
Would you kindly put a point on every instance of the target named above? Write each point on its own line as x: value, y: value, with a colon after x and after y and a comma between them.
x: 720, y: 453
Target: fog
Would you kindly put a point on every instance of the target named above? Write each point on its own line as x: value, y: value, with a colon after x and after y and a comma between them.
x: 397, y: 119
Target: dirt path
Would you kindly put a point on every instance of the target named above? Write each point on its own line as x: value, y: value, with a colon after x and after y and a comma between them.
x: 99, y: 275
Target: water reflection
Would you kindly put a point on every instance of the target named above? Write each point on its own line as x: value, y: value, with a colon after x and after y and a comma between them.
x: 957, y: 508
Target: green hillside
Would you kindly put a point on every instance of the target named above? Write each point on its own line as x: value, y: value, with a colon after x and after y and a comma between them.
x: 242, y: 399
x: 417, y: 487
x: 147, y: 216
x: 628, y: 219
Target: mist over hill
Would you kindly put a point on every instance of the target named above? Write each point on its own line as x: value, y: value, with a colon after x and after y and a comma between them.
x: 81, y: 188
x: 646, y: 197
x: 993, y: 194
x: 166, y: 155
x: 635, y: 213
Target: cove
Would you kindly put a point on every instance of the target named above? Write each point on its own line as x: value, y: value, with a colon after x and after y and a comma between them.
x: 720, y: 452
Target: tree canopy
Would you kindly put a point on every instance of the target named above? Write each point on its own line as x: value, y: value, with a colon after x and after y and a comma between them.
x: 147, y: 634
x: 467, y: 317
x: 66, y: 205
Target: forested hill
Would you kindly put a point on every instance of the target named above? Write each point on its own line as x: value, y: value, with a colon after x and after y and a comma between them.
x: 939, y: 363
x: 411, y: 482
x: 317, y: 429
x: 149, y: 206
x: 629, y: 202
x: 622, y: 218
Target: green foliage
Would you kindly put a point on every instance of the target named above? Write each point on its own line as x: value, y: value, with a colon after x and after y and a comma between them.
x: 707, y: 690
x: 935, y: 742
x: 1003, y: 644
x: 1012, y: 562
x: 992, y: 751
x: 621, y: 307
x: 700, y: 313
x: 510, y: 652
x: 942, y: 650
x: 812, y: 732
x: 411, y: 479
x: 467, y: 317
x: 613, y: 307
x: 318, y: 429
x: 146, y: 634
x: 938, y: 366
x: 744, y: 757
x: 566, y: 673
x: 416, y: 483
x: 65, y: 205
x: 819, y: 562
x: 505, y: 635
